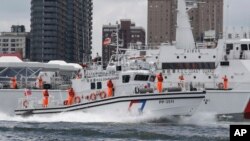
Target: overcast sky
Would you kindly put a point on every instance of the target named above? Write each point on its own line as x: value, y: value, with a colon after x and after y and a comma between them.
x: 110, y: 11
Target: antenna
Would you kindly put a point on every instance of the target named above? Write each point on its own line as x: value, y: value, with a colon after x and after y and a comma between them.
x: 227, y: 18
x: 184, y: 34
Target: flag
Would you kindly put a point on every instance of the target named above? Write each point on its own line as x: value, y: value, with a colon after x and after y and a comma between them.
x: 27, y: 92
x: 107, y: 41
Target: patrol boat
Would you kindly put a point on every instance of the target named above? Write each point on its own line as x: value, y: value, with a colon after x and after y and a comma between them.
x: 132, y: 91
x: 207, y: 62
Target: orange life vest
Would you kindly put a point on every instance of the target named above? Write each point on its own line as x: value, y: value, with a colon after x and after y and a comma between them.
x: 160, y: 78
x: 110, y: 84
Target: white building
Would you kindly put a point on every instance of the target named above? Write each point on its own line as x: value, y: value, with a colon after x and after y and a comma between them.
x: 14, y: 43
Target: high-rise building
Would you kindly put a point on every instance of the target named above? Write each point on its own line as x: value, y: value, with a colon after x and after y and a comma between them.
x: 61, y: 30
x: 15, y: 43
x: 128, y: 33
x: 206, y: 16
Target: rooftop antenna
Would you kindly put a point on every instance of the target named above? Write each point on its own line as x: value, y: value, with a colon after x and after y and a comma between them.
x: 227, y: 18
x: 184, y: 34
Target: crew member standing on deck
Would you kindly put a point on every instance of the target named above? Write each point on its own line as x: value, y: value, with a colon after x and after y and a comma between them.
x: 159, y: 83
x: 110, y: 88
x: 40, y: 82
x: 45, y: 98
x: 13, y: 83
x: 181, y: 78
x: 71, y: 96
x: 225, y: 82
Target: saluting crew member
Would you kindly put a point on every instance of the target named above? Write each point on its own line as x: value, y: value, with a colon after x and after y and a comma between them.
x: 159, y: 83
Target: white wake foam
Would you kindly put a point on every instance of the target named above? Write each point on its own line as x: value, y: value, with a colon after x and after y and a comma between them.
x: 79, y: 117
x: 204, y: 119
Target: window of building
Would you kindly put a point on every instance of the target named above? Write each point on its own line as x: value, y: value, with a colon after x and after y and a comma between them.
x: 13, y: 49
x: 13, y: 45
x: 12, y: 40
x: 5, y: 40
x: 125, y: 78
x: 5, y: 49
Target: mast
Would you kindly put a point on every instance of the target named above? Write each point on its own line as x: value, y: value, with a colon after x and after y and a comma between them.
x: 184, y: 34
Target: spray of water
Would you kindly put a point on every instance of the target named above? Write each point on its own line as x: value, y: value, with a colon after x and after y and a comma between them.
x: 80, y: 117
x: 200, y: 119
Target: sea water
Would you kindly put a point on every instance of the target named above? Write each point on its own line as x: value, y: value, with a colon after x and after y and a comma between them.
x: 78, y: 126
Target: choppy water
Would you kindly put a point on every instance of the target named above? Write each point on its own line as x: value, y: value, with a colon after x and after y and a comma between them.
x: 83, y: 126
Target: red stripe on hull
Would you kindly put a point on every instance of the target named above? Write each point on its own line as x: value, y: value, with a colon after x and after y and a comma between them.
x: 247, y: 111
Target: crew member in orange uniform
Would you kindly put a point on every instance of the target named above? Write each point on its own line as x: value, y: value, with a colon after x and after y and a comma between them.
x: 159, y: 83
x: 13, y: 83
x: 181, y: 78
x: 40, y: 82
x: 71, y: 96
x: 110, y: 88
x: 225, y: 82
x: 45, y: 98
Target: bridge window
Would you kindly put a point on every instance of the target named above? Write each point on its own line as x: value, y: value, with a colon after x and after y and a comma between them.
x: 152, y: 78
x: 92, y: 86
x: 140, y: 77
x: 228, y: 48
x: 125, y: 78
x: 244, y: 47
x: 99, y: 85
x: 202, y: 65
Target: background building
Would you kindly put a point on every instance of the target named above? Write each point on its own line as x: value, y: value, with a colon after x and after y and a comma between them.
x: 15, y: 43
x: 61, y: 30
x: 128, y: 33
x: 206, y: 16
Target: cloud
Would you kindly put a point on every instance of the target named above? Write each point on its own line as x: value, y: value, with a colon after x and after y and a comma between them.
x: 13, y: 12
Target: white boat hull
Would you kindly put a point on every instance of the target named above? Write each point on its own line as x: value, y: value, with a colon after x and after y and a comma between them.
x: 160, y: 105
x: 9, y: 98
x: 218, y: 102
x: 226, y: 102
